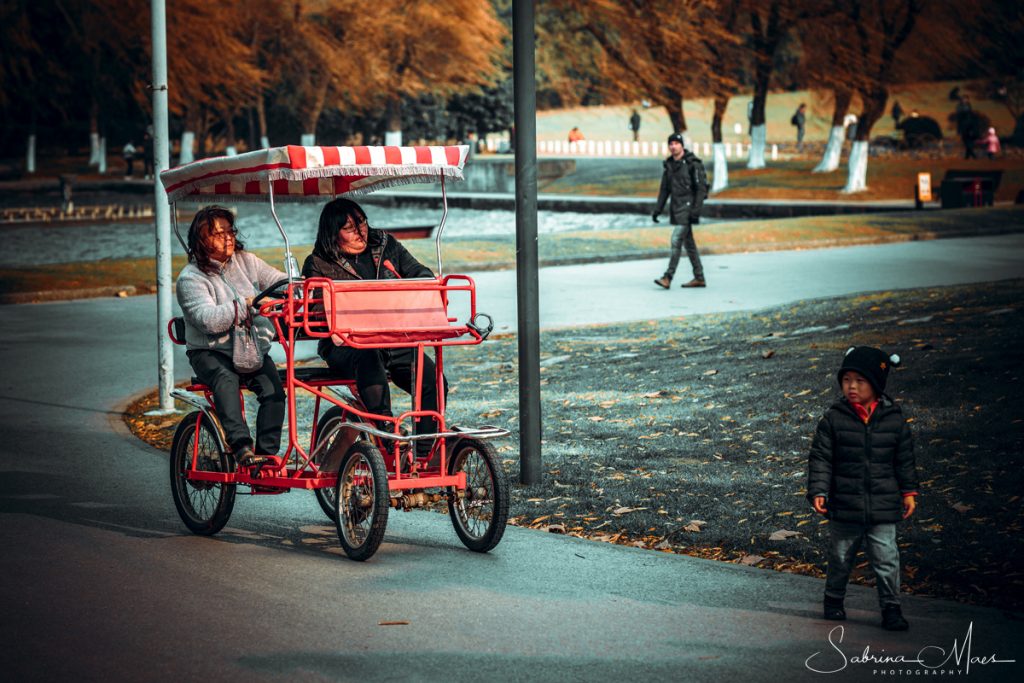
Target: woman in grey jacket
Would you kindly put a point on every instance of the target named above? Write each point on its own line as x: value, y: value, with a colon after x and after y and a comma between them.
x: 215, y: 290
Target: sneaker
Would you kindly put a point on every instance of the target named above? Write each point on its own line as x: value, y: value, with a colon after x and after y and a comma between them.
x: 664, y: 281
x: 695, y: 282
x: 834, y: 610
x: 892, y: 619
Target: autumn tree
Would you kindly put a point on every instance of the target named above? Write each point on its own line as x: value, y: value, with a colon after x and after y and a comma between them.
x: 723, y: 59
x: 416, y: 48
x: 647, y: 49
x: 826, y: 65
x: 768, y: 24
x: 889, y: 41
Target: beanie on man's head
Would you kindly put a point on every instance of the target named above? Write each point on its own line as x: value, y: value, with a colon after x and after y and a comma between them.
x: 870, y: 362
x: 676, y: 137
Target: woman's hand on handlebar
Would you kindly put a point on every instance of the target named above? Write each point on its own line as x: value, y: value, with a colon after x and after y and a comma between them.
x: 276, y: 289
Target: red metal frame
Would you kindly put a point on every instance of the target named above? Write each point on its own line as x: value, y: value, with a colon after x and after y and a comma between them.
x: 308, y: 311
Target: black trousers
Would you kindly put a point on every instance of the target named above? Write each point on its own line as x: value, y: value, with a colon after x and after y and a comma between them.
x: 370, y: 368
x: 215, y: 370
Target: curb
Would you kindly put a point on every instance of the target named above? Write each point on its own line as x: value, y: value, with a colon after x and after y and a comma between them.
x: 121, y: 291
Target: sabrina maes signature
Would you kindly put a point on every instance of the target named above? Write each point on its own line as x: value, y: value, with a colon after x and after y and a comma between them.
x: 958, y: 658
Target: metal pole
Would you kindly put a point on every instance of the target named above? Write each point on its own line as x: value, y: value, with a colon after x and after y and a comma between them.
x: 161, y: 211
x: 525, y: 93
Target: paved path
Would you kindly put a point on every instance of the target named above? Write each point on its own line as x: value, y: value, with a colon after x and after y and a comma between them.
x: 100, y: 581
x: 616, y: 292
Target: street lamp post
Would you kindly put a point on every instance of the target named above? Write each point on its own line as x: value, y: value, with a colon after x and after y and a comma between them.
x: 161, y: 211
x: 525, y: 94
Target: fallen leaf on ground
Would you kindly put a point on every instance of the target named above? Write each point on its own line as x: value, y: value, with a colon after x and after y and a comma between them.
x: 782, y: 535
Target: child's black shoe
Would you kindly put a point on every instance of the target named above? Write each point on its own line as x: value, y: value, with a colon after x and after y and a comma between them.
x: 834, y: 609
x: 892, y: 619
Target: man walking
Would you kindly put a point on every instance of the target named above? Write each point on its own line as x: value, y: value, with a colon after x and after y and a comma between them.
x: 800, y: 121
x: 634, y: 125
x: 686, y: 182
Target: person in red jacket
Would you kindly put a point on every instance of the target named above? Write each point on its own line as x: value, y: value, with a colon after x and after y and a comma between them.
x: 863, y: 477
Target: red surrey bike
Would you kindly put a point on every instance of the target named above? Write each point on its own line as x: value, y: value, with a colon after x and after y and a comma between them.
x: 359, y: 464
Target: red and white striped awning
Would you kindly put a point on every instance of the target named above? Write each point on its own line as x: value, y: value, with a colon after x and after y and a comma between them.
x: 310, y: 173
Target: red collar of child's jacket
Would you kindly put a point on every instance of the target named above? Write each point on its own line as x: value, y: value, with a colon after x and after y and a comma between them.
x: 864, y: 413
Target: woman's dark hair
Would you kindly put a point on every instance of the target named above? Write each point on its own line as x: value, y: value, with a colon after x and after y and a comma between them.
x: 334, y: 215
x: 202, y: 223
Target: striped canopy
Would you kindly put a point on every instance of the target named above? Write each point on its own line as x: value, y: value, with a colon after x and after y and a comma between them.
x: 310, y: 173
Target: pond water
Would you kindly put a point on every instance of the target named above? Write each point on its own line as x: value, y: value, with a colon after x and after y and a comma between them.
x: 40, y: 245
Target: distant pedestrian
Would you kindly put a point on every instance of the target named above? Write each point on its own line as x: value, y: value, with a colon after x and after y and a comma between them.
x: 991, y: 143
x: 147, y: 155
x: 897, y: 114
x: 128, y: 153
x: 685, y: 181
x: 750, y: 117
x: 967, y: 126
x: 799, y: 120
x: 863, y: 477
x: 575, y: 135
x: 634, y: 125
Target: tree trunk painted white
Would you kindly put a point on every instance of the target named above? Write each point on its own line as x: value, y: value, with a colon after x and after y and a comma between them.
x: 757, y: 140
x: 720, y: 179
x: 857, y: 180
x: 186, y: 156
x: 264, y: 142
x: 231, y: 151
x: 833, y: 150
x: 103, y: 156
x: 94, y: 149
x: 30, y: 154
x: 308, y: 139
x: 393, y: 137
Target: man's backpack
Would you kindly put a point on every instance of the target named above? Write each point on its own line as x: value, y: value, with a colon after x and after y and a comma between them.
x: 699, y: 178
x: 794, y: 121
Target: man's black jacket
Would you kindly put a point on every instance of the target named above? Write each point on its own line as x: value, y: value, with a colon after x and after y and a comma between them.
x: 681, y: 181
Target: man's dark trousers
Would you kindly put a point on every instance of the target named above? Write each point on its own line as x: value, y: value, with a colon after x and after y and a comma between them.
x: 682, y: 236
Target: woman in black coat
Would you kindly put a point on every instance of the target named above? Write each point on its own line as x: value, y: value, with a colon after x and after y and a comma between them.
x: 347, y: 248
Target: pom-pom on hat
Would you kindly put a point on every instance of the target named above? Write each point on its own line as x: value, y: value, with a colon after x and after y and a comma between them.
x: 870, y: 362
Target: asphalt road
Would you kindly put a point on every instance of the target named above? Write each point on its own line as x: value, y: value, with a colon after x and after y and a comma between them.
x: 100, y: 580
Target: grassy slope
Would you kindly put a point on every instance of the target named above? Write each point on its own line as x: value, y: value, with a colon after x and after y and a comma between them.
x: 609, y: 122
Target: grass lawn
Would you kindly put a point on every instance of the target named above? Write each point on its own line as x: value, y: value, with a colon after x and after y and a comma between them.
x: 888, y: 178
x: 690, y: 435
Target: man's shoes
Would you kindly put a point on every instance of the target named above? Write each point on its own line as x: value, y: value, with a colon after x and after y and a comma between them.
x: 694, y: 283
x: 664, y: 281
x: 834, y: 610
x: 892, y: 619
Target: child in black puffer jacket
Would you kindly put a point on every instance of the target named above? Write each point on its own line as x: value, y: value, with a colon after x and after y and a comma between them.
x: 862, y: 476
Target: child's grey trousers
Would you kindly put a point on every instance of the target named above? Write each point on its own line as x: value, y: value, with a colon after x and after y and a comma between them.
x: 883, y: 556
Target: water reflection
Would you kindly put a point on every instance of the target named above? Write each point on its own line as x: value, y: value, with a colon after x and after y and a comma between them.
x: 28, y: 246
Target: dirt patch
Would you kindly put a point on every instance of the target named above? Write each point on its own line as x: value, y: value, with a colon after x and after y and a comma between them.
x: 691, y: 435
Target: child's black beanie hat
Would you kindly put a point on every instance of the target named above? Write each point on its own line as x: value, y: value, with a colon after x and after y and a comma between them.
x: 870, y: 362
